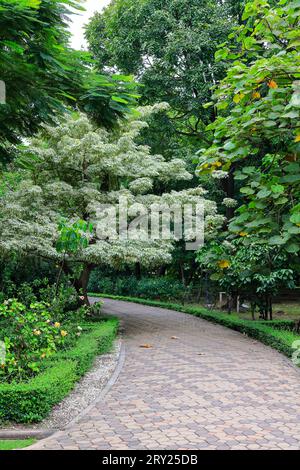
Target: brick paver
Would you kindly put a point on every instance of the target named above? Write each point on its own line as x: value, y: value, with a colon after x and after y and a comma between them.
x: 211, y: 388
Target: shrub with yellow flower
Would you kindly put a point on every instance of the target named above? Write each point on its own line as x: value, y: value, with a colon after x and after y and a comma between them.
x: 223, y: 264
x: 272, y: 84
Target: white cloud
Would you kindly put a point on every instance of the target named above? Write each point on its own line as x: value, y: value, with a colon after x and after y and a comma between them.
x: 81, y: 19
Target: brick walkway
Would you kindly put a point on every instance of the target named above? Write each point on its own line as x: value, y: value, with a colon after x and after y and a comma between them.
x: 211, y: 388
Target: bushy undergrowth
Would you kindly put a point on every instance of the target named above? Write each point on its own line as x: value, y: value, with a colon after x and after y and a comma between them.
x: 36, y: 321
x: 30, y: 335
x: 147, y: 287
x: 61, y: 301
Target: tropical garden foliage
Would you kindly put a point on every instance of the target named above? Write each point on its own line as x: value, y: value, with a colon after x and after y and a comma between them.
x: 176, y: 102
x: 256, y: 140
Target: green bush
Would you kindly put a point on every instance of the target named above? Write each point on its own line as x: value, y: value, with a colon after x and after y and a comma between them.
x: 148, y: 287
x: 32, y: 401
x: 279, y: 324
x: 276, y: 337
x: 30, y: 335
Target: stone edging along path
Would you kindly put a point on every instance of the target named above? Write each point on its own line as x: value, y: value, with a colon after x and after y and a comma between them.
x: 196, y: 385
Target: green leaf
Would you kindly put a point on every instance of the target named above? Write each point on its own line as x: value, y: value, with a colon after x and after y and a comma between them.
x: 277, y: 240
x: 263, y: 193
x: 277, y: 188
x: 119, y: 100
x: 295, y: 218
x: 292, y: 248
x: 246, y: 190
x: 215, y: 277
x: 229, y: 145
x: 290, y: 179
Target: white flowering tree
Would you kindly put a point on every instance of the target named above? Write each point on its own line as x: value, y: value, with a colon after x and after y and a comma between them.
x: 78, y: 169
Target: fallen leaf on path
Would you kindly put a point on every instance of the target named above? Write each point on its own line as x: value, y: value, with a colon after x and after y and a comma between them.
x: 146, y: 346
x: 174, y: 337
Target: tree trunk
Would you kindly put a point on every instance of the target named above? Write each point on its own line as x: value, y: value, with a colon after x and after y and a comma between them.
x: 270, y: 308
x: 182, y: 274
x: 138, y: 271
x: 230, y: 303
x: 162, y: 270
x: 81, y: 284
x: 229, y: 189
x: 253, y: 311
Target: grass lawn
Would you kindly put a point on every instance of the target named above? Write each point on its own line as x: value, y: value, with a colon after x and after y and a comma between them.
x: 281, y: 311
x: 10, y: 444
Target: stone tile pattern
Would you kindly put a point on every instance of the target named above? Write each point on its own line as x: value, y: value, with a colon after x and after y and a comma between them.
x: 212, y: 388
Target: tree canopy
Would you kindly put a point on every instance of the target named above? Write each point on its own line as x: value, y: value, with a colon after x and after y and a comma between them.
x: 169, y: 46
x: 257, y: 132
x: 42, y: 74
x: 78, y: 168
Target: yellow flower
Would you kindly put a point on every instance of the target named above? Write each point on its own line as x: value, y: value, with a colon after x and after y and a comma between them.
x: 272, y: 84
x: 218, y: 164
x: 297, y: 138
x: 57, y: 324
x: 63, y: 333
x: 256, y: 95
x: 243, y: 234
x: 37, y: 332
x: 237, y: 98
x: 223, y: 264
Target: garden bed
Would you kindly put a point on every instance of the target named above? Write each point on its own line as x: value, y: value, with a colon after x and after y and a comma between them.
x: 32, y: 401
x: 278, y: 334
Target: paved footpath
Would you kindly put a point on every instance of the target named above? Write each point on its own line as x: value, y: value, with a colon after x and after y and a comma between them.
x: 211, y: 388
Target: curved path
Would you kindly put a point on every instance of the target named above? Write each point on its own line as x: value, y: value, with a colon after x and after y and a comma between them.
x: 210, y: 388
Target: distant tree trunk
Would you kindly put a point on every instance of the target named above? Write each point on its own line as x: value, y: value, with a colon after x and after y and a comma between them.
x: 270, y: 308
x: 253, y: 310
x: 193, y: 269
x: 230, y: 304
x: 182, y: 275
x: 229, y: 189
x: 162, y: 270
x: 138, y: 271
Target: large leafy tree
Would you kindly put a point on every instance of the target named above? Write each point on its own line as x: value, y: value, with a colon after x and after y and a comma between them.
x: 42, y: 73
x: 79, y: 167
x: 169, y: 46
x: 257, y: 132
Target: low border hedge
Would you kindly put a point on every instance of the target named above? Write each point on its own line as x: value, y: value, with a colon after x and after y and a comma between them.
x: 275, y: 336
x: 32, y: 401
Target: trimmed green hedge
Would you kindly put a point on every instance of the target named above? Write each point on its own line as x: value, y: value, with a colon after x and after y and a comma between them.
x: 162, y: 288
x: 275, y: 336
x: 32, y: 401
